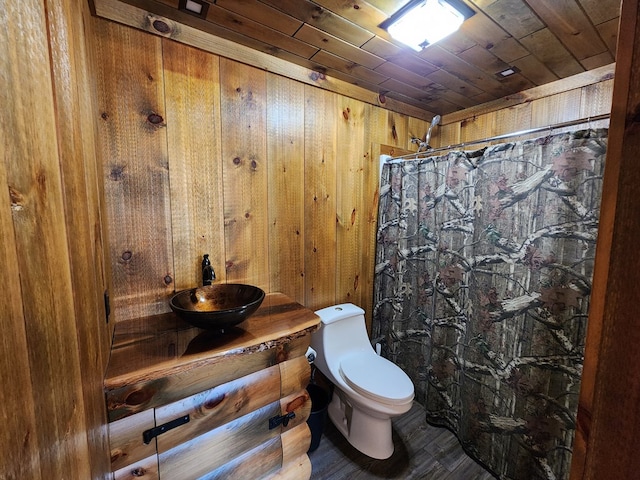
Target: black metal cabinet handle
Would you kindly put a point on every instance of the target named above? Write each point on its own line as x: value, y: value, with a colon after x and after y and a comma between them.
x: 281, y: 419
x: 152, y: 433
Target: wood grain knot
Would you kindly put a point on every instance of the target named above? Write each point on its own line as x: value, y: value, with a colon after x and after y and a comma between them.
x: 162, y: 27
x: 281, y: 354
x: 138, y: 472
x: 17, y: 200
x: 237, y: 161
x: 117, y: 454
x: 168, y: 280
x: 297, y: 402
x: 126, y: 255
x: 138, y: 397
x: 254, y: 164
x: 212, y: 403
x: 117, y: 173
x: 155, y: 119
x: 315, y: 76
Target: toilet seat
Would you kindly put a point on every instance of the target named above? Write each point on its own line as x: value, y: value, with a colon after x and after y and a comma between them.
x: 377, y: 378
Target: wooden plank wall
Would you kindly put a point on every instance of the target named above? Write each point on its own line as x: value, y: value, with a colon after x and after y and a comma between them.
x: 55, y: 341
x: 202, y: 154
x: 581, y: 96
x: 275, y: 179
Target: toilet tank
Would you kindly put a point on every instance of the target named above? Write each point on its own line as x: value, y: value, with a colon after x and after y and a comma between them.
x: 342, y: 331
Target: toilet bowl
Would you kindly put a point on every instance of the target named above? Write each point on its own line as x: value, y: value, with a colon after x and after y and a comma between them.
x: 369, y: 389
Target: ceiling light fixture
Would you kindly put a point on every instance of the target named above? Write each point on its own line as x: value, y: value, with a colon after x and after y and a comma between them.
x: 423, y: 22
x: 195, y: 7
x: 507, y: 72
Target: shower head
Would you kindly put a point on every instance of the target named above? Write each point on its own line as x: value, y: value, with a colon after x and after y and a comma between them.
x: 434, y: 121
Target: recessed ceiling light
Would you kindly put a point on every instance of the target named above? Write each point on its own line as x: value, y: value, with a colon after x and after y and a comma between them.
x: 195, y: 7
x: 423, y: 22
x: 507, y: 72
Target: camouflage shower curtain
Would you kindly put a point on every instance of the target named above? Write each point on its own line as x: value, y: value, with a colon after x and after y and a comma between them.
x: 483, y: 273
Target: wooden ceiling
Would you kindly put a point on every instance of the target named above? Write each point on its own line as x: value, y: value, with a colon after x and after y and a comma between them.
x: 543, y: 40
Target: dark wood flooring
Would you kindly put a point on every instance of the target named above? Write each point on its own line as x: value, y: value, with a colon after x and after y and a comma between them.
x: 421, y: 452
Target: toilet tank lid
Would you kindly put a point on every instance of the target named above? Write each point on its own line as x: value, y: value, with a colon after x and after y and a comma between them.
x: 338, y: 312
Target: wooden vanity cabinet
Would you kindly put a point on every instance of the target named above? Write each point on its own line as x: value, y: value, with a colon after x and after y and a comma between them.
x: 220, y: 403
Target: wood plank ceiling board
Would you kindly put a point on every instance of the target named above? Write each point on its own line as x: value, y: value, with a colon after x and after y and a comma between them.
x: 609, y: 33
x: 456, y: 66
x: 483, y: 59
x: 509, y: 50
x: 484, y: 30
x: 454, y: 82
x: 569, y: 23
x: 313, y: 14
x: 335, y: 62
x: 403, y: 75
x: 543, y: 40
x: 457, y: 43
x: 330, y: 43
x: 262, y: 13
x: 548, y: 48
x: 533, y: 69
x: 600, y: 11
x: 361, y: 13
x: 514, y: 16
x: 244, y: 26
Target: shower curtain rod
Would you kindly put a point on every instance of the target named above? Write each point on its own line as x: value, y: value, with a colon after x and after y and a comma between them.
x: 569, y: 123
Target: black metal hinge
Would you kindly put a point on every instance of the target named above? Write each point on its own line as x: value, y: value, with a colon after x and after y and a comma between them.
x: 107, y: 305
x: 152, y: 433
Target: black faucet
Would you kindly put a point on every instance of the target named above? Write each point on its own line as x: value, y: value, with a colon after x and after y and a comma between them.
x: 208, y: 275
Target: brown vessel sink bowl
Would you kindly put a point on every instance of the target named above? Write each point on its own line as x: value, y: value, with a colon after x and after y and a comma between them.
x: 215, y: 307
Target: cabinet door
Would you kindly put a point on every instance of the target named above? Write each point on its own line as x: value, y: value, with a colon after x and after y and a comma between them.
x: 203, y: 454
x: 125, y: 439
x: 218, y: 406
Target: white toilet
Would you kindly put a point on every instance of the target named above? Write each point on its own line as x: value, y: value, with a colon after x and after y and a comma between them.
x: 369, y: 389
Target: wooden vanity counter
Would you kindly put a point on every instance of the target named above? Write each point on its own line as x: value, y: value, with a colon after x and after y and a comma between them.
x: 161, y: 368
